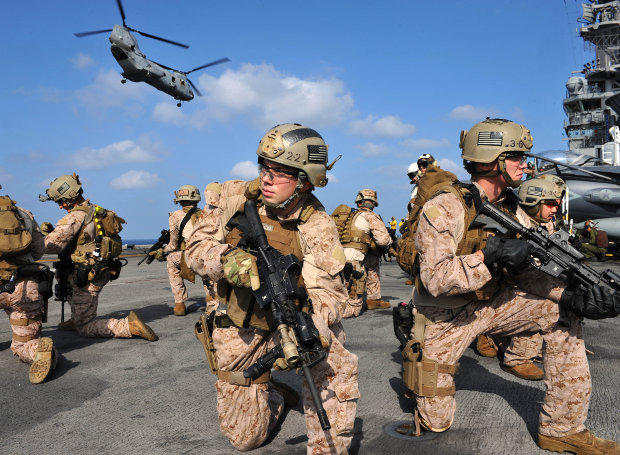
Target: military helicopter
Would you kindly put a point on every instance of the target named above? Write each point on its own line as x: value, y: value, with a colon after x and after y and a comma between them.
x: 137, y: 68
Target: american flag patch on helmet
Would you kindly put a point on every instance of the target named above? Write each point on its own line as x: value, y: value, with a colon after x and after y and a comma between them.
x: 490, y: 138
x: 317, y: 153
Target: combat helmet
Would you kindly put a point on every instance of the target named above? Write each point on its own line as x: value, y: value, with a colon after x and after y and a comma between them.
x: 66, y: 187
x: 187, y: 193
x: 299, y: 147
x: 367, y: 195
x: 544, y: 188
x: 491, y: 140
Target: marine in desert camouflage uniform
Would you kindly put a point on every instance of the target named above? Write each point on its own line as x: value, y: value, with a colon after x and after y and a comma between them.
x: 25, y: 305
x: 296, y: 223
x: 373, y: 235
x: 74, y: 235
x: 188, y: 197
x: 540, y: 198
x: 464, y: 295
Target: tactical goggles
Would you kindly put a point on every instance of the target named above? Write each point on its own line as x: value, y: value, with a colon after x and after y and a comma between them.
x: 423, y: 164
x: 516, y: 156
x: 276, y: 175
x: 552, y: 204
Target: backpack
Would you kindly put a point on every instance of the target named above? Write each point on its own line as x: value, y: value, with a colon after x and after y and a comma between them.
x: 108, y: 244
x: 431, y: 182
x: 15, y: 238
x: 107, y: 227
x: 342, y: 216
x: 601, y: 239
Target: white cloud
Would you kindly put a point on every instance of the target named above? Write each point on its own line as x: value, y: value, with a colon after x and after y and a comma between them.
x: 266, y: 97
x: 453, y: 167
x: 422, y: 144
x: 371, y: 149
x: 135, y: 179
x: 107, y: 92
x: 476, y: 114
x: 245, y: 170
x: 517, y: 115
x: 82, y: 61
x: 332, y: 178
x: 5, y: 178
x: 393, y: 170
x: 127, y: 151
x: 388, y: 126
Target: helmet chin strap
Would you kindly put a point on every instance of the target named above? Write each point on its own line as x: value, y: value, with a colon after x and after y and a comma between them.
x: 292, y: 198
x: 502, y: 166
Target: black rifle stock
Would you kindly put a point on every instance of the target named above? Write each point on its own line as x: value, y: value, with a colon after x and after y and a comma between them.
x: 62, y: 290
x: 557, y: 256
x: 300, y: 344
x: 162, y: 241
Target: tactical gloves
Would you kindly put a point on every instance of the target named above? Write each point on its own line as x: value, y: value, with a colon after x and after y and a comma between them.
x: 240, y: 268
x: 159, y: 254
x: 513, y: 254
x: 46, y: 227
x: 592, y: 302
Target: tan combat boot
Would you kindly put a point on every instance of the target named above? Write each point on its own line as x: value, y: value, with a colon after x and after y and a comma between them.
x: 179, y: 309
x: 374, y: 304
x: 583, y: 443
x: 485, y: 347
x: 139, y: 328
x: 67, y: 325
x: 43, y: 361
x: 526, y: 370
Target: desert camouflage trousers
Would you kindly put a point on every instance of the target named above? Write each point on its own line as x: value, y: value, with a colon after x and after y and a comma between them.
x: 177, y: 284
x: 24, y: 306
x: 84, y: 303
x: 247, y: 415
x: 567, y: 375
x: 354, y: 286
x: 373, y: 278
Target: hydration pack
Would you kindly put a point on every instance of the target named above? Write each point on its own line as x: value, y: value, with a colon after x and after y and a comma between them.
x: 15, y: 238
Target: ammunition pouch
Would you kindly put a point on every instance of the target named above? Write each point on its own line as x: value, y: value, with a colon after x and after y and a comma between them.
x: 85, y: 273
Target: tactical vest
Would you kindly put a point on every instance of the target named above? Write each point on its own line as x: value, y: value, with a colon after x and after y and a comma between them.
x: 350, y: 237
x: 474, y: 239
x: 106, y: 244
x: 242, y: 308
x: 15, y: 237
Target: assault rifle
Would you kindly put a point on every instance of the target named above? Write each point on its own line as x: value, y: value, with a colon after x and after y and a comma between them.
x: 162, y: 241
x: 557, y: 255
x: 62, y: 289
x: 300, y: 343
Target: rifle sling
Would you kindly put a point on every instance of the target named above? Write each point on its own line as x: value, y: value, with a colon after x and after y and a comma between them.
x: 185, y: 220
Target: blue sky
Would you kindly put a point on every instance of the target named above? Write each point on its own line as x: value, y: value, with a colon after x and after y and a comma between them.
x: 382, y: 81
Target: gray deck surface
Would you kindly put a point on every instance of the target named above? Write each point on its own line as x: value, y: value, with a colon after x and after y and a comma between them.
x: 119, y: 396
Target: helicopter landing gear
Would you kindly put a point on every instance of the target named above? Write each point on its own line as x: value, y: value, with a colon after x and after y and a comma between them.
x: 123, y: 81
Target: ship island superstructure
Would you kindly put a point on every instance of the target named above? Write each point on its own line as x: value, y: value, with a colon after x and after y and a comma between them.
x: 592, y: 103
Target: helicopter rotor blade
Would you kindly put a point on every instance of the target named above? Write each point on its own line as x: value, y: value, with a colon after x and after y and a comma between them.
x: 185, y: 46
x: 194, y: 87
x: 83, y: 34
x: 120, y: 8
x: 216, y: 62
x: 165, y: 67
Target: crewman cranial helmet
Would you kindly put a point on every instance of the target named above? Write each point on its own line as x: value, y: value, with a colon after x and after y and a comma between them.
x: 426, y: 160
x: 493, y: 139
x: 367, y: 195
x: 187, y: 193
x: 537, y: 190
x: 412, y: 171
x: 65, y: 187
